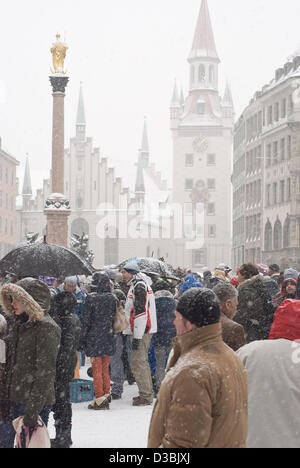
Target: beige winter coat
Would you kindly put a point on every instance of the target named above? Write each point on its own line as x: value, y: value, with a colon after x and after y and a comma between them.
x: 202, y: 402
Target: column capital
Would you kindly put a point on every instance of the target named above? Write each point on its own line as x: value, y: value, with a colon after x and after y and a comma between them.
x: 59, y: 83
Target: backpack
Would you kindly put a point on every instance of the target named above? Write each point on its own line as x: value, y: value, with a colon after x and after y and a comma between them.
x: 121, y: 322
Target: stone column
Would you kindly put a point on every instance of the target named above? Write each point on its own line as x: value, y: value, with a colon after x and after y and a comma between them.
x: 59, y: 84
x: 57, y: 208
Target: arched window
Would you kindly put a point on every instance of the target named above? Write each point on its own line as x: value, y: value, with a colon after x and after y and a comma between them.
x: 278, y: 235
x: 287, y: 234
x: 201, y: 73
x: 268, y: 236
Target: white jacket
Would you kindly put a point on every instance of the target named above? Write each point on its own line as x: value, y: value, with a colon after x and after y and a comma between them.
x: 273, y: 369
x: 143, y: 320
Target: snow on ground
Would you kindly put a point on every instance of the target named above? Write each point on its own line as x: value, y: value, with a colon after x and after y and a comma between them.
x: 122, y: 426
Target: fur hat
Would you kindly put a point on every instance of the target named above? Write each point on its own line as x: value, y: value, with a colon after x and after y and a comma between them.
x: 200, y: 306
x: 32, y: 293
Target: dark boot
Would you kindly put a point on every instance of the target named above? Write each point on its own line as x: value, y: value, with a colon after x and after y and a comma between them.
x: 62, y: 439
x: 100, y: 404
x: 140, y: 401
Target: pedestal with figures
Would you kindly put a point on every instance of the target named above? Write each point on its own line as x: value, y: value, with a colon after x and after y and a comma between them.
x: 57, y: 207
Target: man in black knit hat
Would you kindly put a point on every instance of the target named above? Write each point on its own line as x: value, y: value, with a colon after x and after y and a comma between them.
x: 202, y: 402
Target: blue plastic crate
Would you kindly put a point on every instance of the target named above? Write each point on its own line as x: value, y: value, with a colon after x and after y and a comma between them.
x: 81, y: 390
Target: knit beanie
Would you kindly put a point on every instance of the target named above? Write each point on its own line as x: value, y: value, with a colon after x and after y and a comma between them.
x: 132, y: 267
x: 290, y: 273
x: 200, y: 306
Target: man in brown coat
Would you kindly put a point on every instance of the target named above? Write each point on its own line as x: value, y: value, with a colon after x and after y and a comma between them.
x: 203, y: 399
x: 233, y: 333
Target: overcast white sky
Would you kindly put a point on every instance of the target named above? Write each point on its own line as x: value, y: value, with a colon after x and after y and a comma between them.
x: 128, y: 54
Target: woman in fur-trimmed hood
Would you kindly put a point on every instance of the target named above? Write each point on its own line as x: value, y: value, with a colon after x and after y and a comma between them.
x: 33, y: 344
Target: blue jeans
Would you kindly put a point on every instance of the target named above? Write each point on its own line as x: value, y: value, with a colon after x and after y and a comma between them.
x: 7, y: 432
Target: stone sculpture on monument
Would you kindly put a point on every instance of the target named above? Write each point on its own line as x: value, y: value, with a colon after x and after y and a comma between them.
x: 57, y: 208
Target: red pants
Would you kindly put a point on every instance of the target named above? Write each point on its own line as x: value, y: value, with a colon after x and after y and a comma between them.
x: 101, y: 377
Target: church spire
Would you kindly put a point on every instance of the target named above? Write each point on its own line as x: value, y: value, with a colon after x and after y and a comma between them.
x: 80, y: 120
x: 145, y: 143
x: 143, y: 162
x: 27, y: 187
x: 227, y: 99
x: 204, y: 42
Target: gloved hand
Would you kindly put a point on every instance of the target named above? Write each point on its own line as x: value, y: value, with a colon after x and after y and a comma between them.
x: 135, y: 344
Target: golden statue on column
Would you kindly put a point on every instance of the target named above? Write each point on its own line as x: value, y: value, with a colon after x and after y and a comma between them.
x: 59, y: 51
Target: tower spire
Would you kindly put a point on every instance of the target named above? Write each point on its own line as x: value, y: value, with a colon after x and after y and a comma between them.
x: 145, y: 142
x: 80, y: 120
x: 27, y: 187
x: 143, y: 162
x: 204, y: 42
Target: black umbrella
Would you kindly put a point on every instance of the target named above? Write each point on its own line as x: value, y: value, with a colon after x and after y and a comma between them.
x: 151, y: 266
x: 42, y: 259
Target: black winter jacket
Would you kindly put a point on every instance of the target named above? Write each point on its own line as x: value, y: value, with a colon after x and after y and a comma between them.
x: 165, y: 312
x: 255, y: 309
x: 98, y: 315
x: 62, y: 308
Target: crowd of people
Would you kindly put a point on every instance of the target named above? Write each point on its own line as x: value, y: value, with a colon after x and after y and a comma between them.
x: 215, y: 351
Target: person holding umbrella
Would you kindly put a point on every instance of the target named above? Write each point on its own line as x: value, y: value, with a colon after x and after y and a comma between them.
x: 33, y: 344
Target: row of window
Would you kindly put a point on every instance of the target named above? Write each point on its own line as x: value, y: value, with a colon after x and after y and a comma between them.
x: 7, y: 176
x: 6, y: 227
x: 190, y: 160
x: 278, y: 192
x: 189, y: 185
x: 253, y: 193
x: 238, y: 227
x: 7, y: 202
x: 276, y: 152
x: 253, y: 160
x: 239, y: 197
x: 279, y: 237
x: 278, y: 110
x: 189, y: 231
x: 253, y: 226
x: 279, y: 151
x: 267, y: 116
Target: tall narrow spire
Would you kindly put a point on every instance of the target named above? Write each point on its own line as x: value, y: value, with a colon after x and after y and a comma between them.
x: 80, y: 120
x: 175, y: 102
x: 204, y: 42
x: 27, y: 187
x: 145, y: 142
x: 143, y: 162
x: 227, y: 99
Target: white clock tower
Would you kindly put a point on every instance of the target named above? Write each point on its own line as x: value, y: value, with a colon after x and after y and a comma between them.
x: 202, y: 129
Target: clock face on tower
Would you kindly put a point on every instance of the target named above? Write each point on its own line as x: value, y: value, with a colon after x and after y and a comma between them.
x: 200, y: 144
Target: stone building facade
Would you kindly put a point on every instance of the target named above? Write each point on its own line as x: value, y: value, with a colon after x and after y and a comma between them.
x: 117, y: 220
x: 8, y: 194
x: 202, y: 131
x: 266, y: 175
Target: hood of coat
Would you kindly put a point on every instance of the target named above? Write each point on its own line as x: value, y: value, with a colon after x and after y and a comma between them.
x: 254, y: 281
x: 143, y: 277
x: 33, y: 294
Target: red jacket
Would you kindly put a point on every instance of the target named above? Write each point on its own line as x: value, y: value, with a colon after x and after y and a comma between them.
x: 286, y: 321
